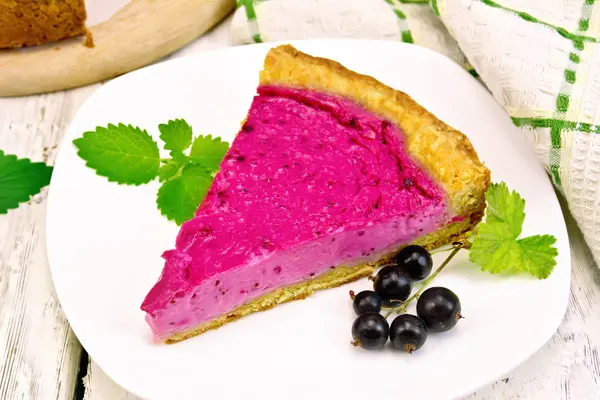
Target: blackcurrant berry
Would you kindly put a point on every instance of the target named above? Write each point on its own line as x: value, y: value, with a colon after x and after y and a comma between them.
x: 370, y: 331
x: 439, y: 308
x: 366, y: 301
x: 408, y: 333
x: 415, y: 261
x: 392, y: 284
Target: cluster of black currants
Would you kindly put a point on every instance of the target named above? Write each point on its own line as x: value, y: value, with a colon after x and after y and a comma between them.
x: 438, y: 308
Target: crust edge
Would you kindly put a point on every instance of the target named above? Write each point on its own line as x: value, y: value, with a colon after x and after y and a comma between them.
x: 443, y: 151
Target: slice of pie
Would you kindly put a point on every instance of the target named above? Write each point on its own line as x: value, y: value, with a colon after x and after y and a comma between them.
x: 34, y: 22
x: 331, y: 173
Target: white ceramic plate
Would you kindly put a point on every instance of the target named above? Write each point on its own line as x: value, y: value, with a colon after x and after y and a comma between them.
x: 105, y: 242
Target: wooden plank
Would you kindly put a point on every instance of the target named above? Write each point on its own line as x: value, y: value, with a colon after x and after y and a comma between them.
x: 138, y: 34
x: 39, y: 355
x: 98, y: 386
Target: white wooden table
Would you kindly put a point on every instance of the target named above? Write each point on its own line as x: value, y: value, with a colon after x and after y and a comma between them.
x: 40, y: 358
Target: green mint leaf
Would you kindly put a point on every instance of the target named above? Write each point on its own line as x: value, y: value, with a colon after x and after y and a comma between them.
x: 538, y: 255
x: 123, y: 153
x: 505, y: 206
x: 177, y: 135
x: 179, y: 198
x: 494, y: 248
x: 20, y: 179
x: 208, y: 152
x: 168, y: 170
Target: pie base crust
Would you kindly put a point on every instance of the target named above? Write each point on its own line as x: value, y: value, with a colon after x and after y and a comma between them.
x: 330, y: 279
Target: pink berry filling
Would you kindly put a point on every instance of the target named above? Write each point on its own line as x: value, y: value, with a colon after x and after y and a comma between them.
x: 311, y: 182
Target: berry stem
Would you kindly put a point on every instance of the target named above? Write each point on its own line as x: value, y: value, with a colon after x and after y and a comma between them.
x: 402, y: 308
x: 442, y: 250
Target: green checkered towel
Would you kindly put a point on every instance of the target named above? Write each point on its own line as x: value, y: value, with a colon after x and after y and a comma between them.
x: 539, y: 58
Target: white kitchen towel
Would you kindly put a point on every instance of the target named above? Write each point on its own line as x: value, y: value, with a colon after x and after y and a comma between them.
x: 539, y: 58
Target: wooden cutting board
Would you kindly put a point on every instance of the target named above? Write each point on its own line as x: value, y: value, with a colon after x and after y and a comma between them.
x: 139, y: 33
